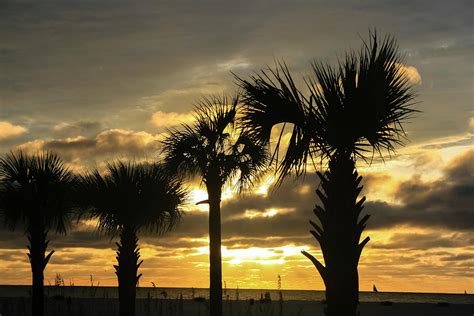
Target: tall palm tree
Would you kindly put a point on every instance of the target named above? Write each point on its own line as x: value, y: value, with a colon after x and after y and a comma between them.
x: 36, y: 192
x: 214, y: 149
x: 131, y: 198
x: 350, y: 112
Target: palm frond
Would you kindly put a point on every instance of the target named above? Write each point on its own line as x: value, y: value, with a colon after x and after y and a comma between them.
x: 141, y: 197
x: 248, y: 159
x: 214, y: 147
x: 362, y: 103
x: 215, y: 114
x: 271, y: 98
x: 184, y: 151
x: 36, y: 190
x: 357, y: 108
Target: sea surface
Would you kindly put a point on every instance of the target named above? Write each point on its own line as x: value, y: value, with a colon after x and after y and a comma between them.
x: 233, y: 294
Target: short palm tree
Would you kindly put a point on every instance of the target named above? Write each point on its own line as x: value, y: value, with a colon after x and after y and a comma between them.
x: 36, y: 192
x: 350, y: 112
x: 127, y: 199
x: 218, y: 152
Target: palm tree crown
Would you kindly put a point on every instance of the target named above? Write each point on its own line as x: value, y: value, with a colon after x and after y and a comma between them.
x: 36, y: 189
x: 212, y: 147
x: 139, y: 196
x: 356, y: 108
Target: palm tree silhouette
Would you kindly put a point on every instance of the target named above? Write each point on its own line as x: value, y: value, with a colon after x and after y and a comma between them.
x: 36, y: 192
x: 351, y: 112
x: 131, y: 198
x: 214, y: 149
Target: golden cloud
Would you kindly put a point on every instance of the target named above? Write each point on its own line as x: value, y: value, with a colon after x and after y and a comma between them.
x: 119, y: 140
x: 411, y: 73
x: 168, y: 119
x: 32, y: 147
x: 106, y: 144
x: 8, y: 130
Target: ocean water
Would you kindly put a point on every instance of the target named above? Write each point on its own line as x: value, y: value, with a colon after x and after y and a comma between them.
x: 233, y: 294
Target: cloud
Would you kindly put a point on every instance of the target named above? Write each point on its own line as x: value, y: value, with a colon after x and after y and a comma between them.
x: 459, y: 257
x: 201, y: 83
x: 445, y: 203
x: 424, y: 241
x: 9, y: 131
x: 78, y: 128
x: 168, y: 119
x: 132, y: 142
x: 450, y: 141
x: 32, y: 146
x: 106, y: 144
x: 411, y: 73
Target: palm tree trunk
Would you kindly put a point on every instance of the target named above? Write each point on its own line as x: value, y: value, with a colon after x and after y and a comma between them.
x: 128, y: 256
x: 38, y: 260
x: 215, y: 256
x: 338, y: 233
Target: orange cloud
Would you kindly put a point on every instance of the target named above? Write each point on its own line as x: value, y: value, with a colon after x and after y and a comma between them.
x: 108, y: 144
x: 412, y: 73
x: 168, y: 119
x: 8, y: 130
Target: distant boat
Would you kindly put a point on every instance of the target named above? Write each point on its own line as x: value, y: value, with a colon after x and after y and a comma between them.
x: 465, y: 292
x: 375, y: 289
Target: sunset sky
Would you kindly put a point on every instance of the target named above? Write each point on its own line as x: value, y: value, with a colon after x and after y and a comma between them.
x: 98, y: 80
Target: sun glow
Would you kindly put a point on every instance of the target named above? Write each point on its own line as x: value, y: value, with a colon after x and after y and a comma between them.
x: 257, y: 255
x: 267, y: 213
x: 197, y: 195
x: 265, y: 186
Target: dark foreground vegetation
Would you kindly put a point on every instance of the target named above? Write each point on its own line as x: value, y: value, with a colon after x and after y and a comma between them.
x: 200, y: 307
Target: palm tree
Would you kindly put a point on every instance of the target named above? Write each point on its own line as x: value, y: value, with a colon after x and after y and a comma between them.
x: 350, y: 112
x: 214, y: 149
x: 36, y: 192
x: 131, y: 198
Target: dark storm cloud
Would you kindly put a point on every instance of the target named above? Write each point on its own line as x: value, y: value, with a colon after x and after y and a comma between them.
x: 424, y: 241
x: 66, y: 259
x: 74, y: 129
x: 291, y: 194
x: 11, y: 256
x: 460, y: 257
x: 12, y: 240
x: 445, y: 203
x: 76, y: 237
x: 268, y: 242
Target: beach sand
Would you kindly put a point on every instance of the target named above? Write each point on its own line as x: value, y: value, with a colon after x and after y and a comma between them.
x: 173, y: 307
